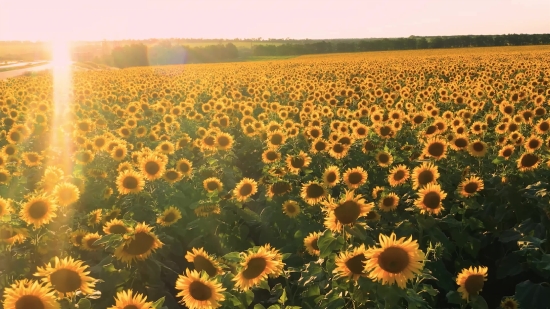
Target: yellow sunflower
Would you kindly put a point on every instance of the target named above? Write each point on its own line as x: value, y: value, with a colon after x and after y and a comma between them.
x: 39, y: 210
x: 203, y: 262
x: 436, y: 148
x: 331, y: 176
x: 245, y: 189
x: 140, y: 246
x: 170, y: 216
x: 509, y: 303
x: 257, y: 266
x: 129, y: 182
x: 398, y: 175
x: 212, y: 184
x: 310, y: 242
x: 384, y: 158
x: 430, y: 198
x: 506, y: 151
x: 130, y: 300
x: 94, y: 217
x: 5, y: 176
x: 77, y: 237
x: 528, y: 162
x: 291, y: 208
x: 471, y: 281
x: 351, y: 264
x: 31, y: 159
x: 355, y: 177
x: 389, y: 202
x: 116, y: 226
x: 270, y: 156
x: 470, y: 186
x: 425, y: 174
x: 67, y: 276
x: 198, y: 291
x: 10, y: 235
x: 30, y: 294
x: 152, y: 167
x: 66, y: 193
x: 345, y: 212
x: 396, y: 261
x: 172, y: 176
x: 278, y: 188
x: 5, y: 208
x: 88, y: 242
x: 477, y: 148
x: 296, y: 163
x: 313, y: 192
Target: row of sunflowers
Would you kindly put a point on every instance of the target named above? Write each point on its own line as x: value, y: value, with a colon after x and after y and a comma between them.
x: 374, y: 180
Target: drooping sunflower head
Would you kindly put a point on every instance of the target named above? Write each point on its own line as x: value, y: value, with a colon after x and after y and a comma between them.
x: 5, y: 208
x: 203, y: 262
x: 10, y: 235
x: 471, y: 281
x: 139, y: 247
x: 509, y: 303
x: 396, y: 261
x: 170, y: 216
x: 88, y: 242
x: 199, y: 291
x: 94, y: 217
x: 351, y: 264
x: 67, y: 276
x: 278, y: 188
x: 77, y: 236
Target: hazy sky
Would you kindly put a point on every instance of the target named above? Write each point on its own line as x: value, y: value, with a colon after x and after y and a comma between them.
x: 314, y: 19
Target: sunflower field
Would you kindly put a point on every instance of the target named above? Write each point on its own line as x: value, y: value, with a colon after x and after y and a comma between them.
x: 373, y: 180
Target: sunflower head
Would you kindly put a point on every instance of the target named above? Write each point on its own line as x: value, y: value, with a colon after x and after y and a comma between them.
x: 199, y: 291
x: 170, y: 216
x: 471, y: 281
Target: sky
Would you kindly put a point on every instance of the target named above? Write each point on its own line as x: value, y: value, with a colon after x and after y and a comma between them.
x: 295, y: 19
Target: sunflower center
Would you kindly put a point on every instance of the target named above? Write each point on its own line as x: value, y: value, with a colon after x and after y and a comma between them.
x: 432, y: 200
x: 142, y: 243
x: 212, y: 185
x: 425, y: 177
x: 280, y: 188
x: 399, y: 175
x: 314, y: 191
x: 78, y: 239
x: 355, y: 264
x: 461, y: 142
x: 385, y: 131
x: 474, y: 284
x: 209, y: 141
x: 152, y: 168
x: 172, y: 175
x: 383, y: 158
x: 66, y: 195
x: 200, y: 291
x: 65, y: 280
x: 320, y: 146
x: 130, y: 182
x: 201, y: 263
x: 533, y: 144
x: 32, y: 157
x: 387, y: 201
x: 431, y: 130
x: 338, y: 148
x: 394, y: 260
x: 38, y: 209
x: 297, y: 162
x: 245, y: 189
x: 28, y: 302
x: 355, y: 178
x: 544, y: 126
x: 436, y: 149
x: 314, y: 244
x: 271, y: 155
x: 5, y: 234
x: 118, y: 229
x: 290, y: 208
x: 529, y: 160
x: 471, y: 187
x: 369, y: 146
x: 331, y: 177
x: 119, y: 153
x: 170, y: 217
x: 184, y: 167
x: 255, y: 267
x: 3, y: 177
x: 479, y: 147
x: 347, y: 212
x: 223, y: 141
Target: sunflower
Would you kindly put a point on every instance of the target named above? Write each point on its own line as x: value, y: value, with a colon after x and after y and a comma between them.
x: 338, y: 150
x: 471, y: 281
x: 5, y: 176
x: 5, y: 208
x: 30, y: 294
x: 436, y: 148
x: 140, y: 246
x: 528, y: 162
x: 345, y: 212
x: 470, y: 186
x: 257, y: 266
x: 170, y: 216
x: 119, y: 153
x: 355, y: 177
x: 291, y: 208
x: 310, y: 242
x: 270, y: 156
x: 245, y: 189
x: 224, y: 141
x: 389, y: 202
x: 351, y: 264
x: 533, y: 143
x: 429, y: 199
x: 313, y: 192
x: 198, y: 291
x: 509, y: 303
x: 396, y: 261
x: 185, y: 167
x: 66, y: 193
x: 276, y: 138
x: 212, y: 184
x: 459, y: 142
x: 116, y: 226
x: 318, y: 145
x: 94, y: 217
x: 128, y: 300
x: 331, y: 176
x: 506, y: 151
x: 77, y: 236
x: 384, y: 159
x: 39, y: 210
x: 425, y: 174
x: 152, y: 167
x: 172, y: 176
x: 129, y: 181
x: 477, y: 148
x: 67, y: 276
x: 84, y: 157
x: 398, y: 175
x: 296, y: 163
x: 88, y: 242
x: 10, y: 235
x: 278, y: 188
x: 203, y: 262
x: 31, y: 159
x: 207, y: 210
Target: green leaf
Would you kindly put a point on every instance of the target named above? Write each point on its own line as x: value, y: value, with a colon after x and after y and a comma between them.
x: 84, y: 303
x: 234, y: 257
x: 259, y: 306
x: 286, y: 256
x: 328, y: 243
x: 283, y: 298
x: 454, y: 297
x: 275, y: 306
x: 478, y: 302
x: 336, y: 303
x: 158, y: 304
x: 264, y: 285
x: 107, y: 239
x: 532, y: 295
